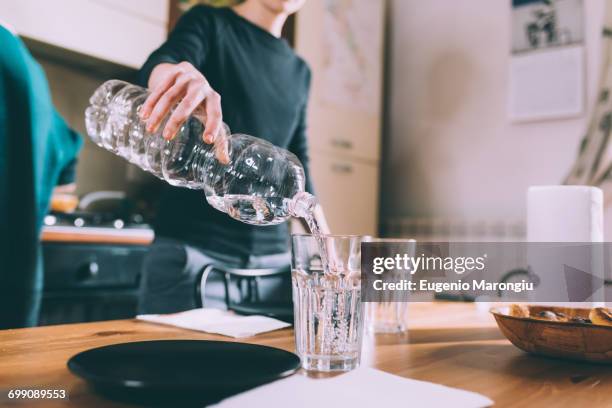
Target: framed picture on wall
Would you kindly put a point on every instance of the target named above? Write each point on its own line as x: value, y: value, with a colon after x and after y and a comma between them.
x: 538, y: 24
x: 546, y: 72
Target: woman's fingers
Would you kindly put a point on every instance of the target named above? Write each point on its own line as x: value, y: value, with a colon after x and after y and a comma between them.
x: 165, y: 103
x: 214, y: 118
x: 222, y: 144
x: 151, y: 101
x: 222, y: 149
x: 183, y: 88
x: 184, y: 109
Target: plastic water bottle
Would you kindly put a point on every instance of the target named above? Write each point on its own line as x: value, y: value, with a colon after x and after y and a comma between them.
x: 246, y: 177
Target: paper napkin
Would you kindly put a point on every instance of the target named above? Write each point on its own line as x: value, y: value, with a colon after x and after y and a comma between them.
x: 217, y: 321
x: 363, y: 387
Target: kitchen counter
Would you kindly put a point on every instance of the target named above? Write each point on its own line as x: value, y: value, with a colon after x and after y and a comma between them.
x: 97, y: 235
x: 454, y: 344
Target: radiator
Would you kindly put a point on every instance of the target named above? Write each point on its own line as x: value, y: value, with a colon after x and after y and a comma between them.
x: 454, y: 230
x: 464, y: 230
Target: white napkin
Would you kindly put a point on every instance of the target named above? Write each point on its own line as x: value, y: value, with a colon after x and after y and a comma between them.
x: 363, y: 387
x: 217, y: 321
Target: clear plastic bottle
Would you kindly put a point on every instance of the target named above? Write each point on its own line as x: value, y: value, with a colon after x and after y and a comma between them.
x: 246, y: 177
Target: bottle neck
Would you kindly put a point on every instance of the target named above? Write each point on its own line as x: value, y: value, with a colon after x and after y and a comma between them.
x: 302, y: 205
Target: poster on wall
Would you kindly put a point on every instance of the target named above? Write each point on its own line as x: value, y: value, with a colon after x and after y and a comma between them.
x: 547, y: 72
x: 593, y: 166
x: 352, y: 42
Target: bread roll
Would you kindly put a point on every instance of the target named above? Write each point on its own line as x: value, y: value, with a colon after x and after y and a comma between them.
x: 601, y: 316
x: 519, y: 310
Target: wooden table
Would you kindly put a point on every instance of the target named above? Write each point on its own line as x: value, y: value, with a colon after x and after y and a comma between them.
x: 449, y: 343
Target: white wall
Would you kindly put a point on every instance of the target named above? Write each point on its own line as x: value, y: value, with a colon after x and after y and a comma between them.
x: 450, y: 150
x: 97, y: 169
x: 71, y: 89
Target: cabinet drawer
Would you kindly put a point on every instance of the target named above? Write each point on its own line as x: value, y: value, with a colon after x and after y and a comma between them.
x: 348, y: 191
x: 72, y: 266
x: 338, y: 131
x: 343, y: 125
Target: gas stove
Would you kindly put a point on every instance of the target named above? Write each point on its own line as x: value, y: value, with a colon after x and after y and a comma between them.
x: 92, y: 260
x: 94, y: 220
x: 96, y: 228
x: 92, y: 263
x: 99, y: 209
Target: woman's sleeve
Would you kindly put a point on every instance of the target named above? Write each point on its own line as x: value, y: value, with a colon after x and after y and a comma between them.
x: 68, y: 143
x: 187, y: 42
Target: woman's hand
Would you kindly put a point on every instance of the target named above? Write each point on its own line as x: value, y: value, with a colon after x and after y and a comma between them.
x: 181, y: 84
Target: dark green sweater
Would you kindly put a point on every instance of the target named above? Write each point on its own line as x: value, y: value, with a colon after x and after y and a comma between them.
x: 264, y: 91
x: 36, y: 145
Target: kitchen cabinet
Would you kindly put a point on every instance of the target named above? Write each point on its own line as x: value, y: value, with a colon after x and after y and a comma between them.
x: 122, y: 32
x: 344, y: 128
x: 339, y: 41
x: 340, y: 131
x: 348, y: 191
x: 90, y: 281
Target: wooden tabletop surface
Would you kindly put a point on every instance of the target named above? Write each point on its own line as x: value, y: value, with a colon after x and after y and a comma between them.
x: 453, y: 344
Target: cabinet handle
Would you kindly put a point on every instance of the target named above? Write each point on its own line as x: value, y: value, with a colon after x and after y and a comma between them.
x: 342, y: 143
x: 342, y: 168
x: 88, y: 271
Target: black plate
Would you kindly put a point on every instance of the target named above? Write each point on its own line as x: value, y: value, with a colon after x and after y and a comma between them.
x: 181, y: 372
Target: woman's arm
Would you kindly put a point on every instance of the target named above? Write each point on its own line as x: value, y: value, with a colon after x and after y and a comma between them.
x: 172, y: 73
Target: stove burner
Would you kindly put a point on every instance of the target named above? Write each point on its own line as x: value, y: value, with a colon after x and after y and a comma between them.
x: 98, y: 220
x: 50, y: 220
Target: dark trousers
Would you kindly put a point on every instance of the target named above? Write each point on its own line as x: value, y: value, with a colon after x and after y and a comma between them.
x: 171, y: 268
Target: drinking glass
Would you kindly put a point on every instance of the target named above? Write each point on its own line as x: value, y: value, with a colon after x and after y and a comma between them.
x: 387, y: 317
x: 390, y: 313
x: 327, y: 305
